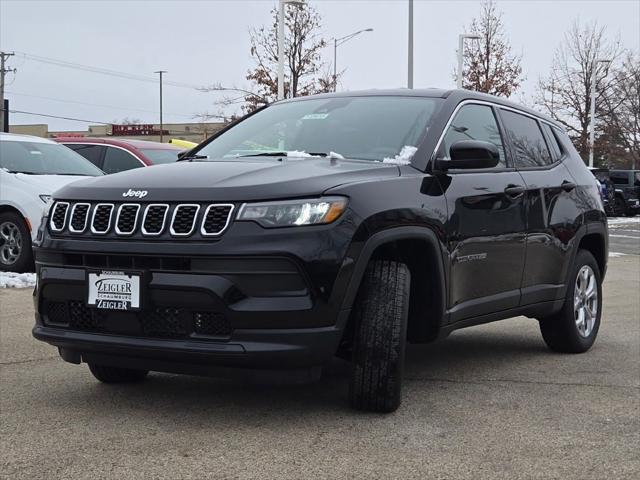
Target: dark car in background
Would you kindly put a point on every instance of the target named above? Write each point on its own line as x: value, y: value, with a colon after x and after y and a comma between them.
x: 118, y: 155
x: 627, y: 191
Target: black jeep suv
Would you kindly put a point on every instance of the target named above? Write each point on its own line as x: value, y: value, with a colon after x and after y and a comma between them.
x: 340, y: 224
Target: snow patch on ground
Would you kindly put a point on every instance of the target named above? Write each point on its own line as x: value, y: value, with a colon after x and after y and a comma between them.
x: 616, y: 254
x: 404, y: 157
x: 17, y: 280
x: 624, y: 221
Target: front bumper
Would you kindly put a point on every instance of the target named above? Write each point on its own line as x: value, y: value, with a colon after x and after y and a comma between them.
x: 268, y: 308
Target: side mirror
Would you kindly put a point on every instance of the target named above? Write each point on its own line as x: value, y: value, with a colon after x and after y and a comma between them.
x: 470, y: 154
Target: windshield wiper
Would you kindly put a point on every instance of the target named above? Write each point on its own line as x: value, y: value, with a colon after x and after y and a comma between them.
x: 264, y: 154
x: 190, y: 158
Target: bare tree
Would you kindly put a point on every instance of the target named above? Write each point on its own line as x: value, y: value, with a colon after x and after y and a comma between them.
x: 622, y: 114
x: 305, y: 71
x: 490, y: 67
x: 565, y: 94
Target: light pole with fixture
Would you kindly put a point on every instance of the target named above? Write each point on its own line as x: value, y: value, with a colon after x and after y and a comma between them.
x: 336, y: 43
x: 592, y: 130
x: 161, y: 72
x: 281, y: 5
x: 461, y: 38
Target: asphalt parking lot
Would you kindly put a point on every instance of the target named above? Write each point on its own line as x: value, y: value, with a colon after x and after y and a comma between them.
x: 488, y: 402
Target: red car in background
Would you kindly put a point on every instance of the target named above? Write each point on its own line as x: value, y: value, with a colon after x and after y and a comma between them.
x: 117, y: 155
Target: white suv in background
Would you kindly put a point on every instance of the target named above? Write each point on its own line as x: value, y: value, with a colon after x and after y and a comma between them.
x: 31, y: 168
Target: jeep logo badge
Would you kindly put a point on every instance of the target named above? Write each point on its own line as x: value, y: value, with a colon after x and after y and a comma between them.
x: 135, y: 193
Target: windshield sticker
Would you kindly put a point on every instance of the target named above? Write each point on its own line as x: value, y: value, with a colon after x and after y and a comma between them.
x: 315, y: 116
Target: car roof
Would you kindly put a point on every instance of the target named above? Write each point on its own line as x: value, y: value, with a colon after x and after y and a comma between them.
x: 456, y: 95
x: 120, y: 142
x: 15, y: 137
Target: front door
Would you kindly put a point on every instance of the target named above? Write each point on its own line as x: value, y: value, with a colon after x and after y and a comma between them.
x: 486, y: 225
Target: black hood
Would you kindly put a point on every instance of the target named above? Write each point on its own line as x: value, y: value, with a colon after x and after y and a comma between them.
x: 234, y: 180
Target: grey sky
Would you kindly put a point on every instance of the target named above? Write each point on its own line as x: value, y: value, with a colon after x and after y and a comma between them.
x: 202, y: 42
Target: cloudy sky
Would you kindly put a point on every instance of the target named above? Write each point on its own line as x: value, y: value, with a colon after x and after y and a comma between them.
x: 204, y: 42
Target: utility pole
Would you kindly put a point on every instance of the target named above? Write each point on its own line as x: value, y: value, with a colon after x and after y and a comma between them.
x: 3, y: 57
x: 161, y: 72
x: 410, y: 48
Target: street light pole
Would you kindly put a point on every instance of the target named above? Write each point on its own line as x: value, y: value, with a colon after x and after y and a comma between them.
x: 461, y: 38
x: 161, y: 72
x: 592, y: 130
x: 410, y: 48
x: 336, y: 43
x: 281, y: 4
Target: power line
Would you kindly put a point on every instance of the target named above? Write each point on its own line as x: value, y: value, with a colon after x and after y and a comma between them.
x: 104, y: 71
x: 58, y: 116
x: 95, y: 104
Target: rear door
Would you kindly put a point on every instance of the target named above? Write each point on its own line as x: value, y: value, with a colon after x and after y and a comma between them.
x: 553, y: 215
x: 486, y: 226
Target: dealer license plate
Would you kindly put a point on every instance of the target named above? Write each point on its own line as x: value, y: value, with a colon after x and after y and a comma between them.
x: 114, y: 290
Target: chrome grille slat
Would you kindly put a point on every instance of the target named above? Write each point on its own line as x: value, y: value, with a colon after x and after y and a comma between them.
x: 103, y: 212
x: 127, y: 218
x: 183, y: 221
x: 151, y: 223
x: 216, y: 219
x: 59, y: 213
x: 79, y: 217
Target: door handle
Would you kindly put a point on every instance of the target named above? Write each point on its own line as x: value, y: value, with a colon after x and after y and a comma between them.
x: 514, y: 191
x: 568, y: 186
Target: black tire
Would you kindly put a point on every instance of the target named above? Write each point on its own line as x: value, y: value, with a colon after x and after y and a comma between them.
x: 117, y: 375
x: 620, y: 207
x: 560, y: 331
x: 380, y: 317
x: 12, y: 225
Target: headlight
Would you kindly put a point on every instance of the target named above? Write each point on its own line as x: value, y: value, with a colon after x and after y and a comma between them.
x: 294, y: 212
x: 46, y: 199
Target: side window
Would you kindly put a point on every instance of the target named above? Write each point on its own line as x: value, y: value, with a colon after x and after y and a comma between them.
x: 474, y: 122
x: 552, y: 140
x: 530, y: 147
x: 117, y: 160
x: 93, y: 153
x: 619, y: 178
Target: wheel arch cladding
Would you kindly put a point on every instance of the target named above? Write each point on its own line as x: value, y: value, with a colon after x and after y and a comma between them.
x: 594, y: 243
x: 421, y: 251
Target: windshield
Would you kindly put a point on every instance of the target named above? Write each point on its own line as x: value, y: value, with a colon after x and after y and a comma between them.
x: 44, y: 159
x: 158, y: 156
x: 366, y: 128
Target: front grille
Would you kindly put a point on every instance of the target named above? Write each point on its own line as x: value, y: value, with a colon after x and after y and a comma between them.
x: 184, y: 219
x: 127, y: 218
x: 141, y: 220
x: 216, y: 219
x: 79, y: 216
x: 158, y: 322
x: 59, y: 216
x: 101, y: 222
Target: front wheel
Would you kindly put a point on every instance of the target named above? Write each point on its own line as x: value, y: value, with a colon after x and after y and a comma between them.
x: 575, y: 327
x: 380, y: 316
x: 620, y: 206
x: 15, y: 244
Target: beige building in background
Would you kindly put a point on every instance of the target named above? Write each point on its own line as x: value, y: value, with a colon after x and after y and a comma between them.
x: 193, y: 132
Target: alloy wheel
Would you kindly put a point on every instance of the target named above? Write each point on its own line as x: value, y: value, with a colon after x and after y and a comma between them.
x: 10, y: 243
x: 585, y: 301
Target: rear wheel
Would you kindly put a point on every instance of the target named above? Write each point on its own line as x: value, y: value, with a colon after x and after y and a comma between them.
x: 620, y: 206
x: 15, y: 244
x: 117, y: 375
x: 380, y: 317
x: 574, y: 328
